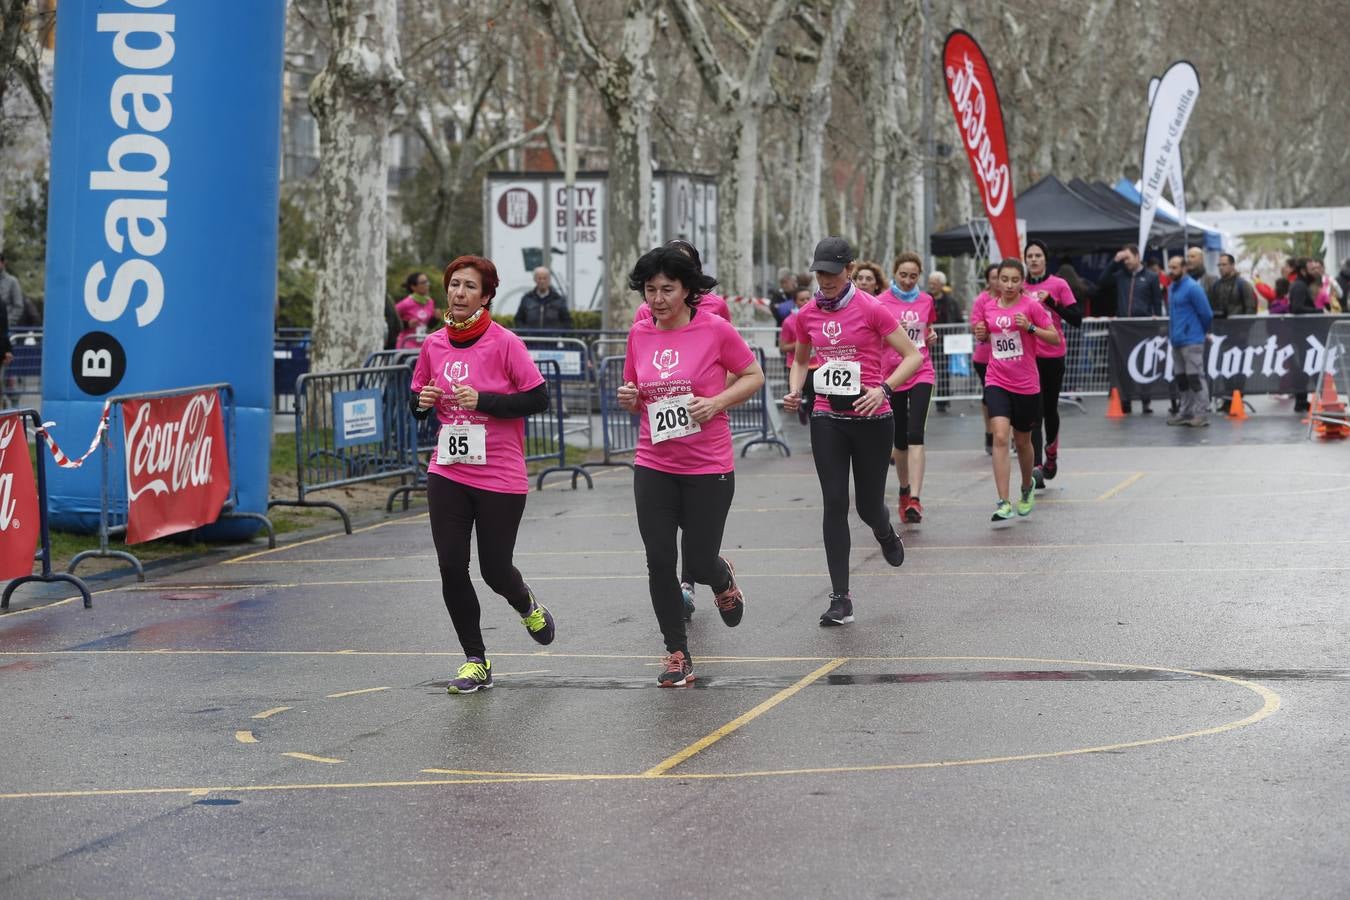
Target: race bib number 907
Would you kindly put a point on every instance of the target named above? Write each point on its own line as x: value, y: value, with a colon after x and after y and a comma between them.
x: 839, y: 377
x: 462, y: 445
x: 669, y: 418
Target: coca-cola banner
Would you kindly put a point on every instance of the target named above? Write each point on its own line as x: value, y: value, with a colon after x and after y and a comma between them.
x: 979, y: 118
x: 19, y: 520
x: 178, y: 467
x: 1254, y: 354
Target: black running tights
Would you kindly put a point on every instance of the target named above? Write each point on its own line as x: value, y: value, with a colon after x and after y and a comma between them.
x: 457, y: 509
x: 696, y: 505
x: 1052, y: 382
x: 862, y: 444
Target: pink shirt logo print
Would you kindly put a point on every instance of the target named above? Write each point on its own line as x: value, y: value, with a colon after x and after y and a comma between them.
x: 1003, y: 322
x: 667, y: 362
x: 456, y: 372
x: 833, y: 331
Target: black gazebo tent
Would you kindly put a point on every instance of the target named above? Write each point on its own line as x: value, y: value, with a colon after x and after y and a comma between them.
x: 1071, y: 222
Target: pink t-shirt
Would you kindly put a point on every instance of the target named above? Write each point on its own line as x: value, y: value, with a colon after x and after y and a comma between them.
x: 496, y: 363
x: 693, y: 360
x: 1058, y: 288
x: 1012, y: 351
x: 914, y: 318
x: 981, y: 354
x: 412, y: 308
x: 712, y: 303
x: 856, y: 333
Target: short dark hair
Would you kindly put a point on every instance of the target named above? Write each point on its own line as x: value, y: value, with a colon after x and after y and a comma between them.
x: 1228, y: 256
x: 992, y: 267
x: 411, y: 281
x: 1281, y: 287
x: 1013, y: 262
x: 484, y: 268
x: 687, y: 248
x: 1133, y: 248
x: 676, y: 265
x: 908, y: 256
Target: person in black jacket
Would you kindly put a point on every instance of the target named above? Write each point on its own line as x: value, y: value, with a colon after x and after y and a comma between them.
x: 1138, y: 293
x: 544, y: 307
x: 1303, y: 289
x: 6, y: 356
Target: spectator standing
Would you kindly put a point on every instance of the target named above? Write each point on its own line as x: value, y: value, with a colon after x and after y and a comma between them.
x: 1138, y: 294
x: 544, y: 308
x: 1327, y: 294
x: 781, y: 301
x: 1231, y: 294
x: 1189, y: 321
x: 1343, y: 282
x: 1195, y: 267
x: 11, y: 296
x: 1302, y: 302
x: 1279, y: 300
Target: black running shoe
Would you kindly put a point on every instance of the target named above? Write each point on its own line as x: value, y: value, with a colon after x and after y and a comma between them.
x: 840, y: 611
x: 1038, y: 477
x: 893, y: 548
x: 677, y: 670
x: 731, y: 602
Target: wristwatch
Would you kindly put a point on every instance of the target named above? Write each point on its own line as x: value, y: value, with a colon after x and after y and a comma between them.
x: 886, y: 389
x: 1031, y: 328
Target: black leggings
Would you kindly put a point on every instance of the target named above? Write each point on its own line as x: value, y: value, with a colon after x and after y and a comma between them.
x: 696, y: 505
x: 455, y: 510
x: 1052, y: 382
x: 911, y: 414
x: 865, y: 444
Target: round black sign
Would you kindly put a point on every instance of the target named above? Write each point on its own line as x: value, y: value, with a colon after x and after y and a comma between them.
x: 98, y: 363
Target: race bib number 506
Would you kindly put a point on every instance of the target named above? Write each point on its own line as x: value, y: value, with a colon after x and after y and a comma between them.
x: 1007, y: 344
x: 669, y: 418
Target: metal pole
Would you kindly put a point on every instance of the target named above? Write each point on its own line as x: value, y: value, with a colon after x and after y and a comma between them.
x: 570, y: 182
x: 768, y: 281
x: 930, y: 140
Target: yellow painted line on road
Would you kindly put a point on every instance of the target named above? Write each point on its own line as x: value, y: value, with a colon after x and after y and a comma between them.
x: 245, y: 737
x: 1122, y: 486
x: 354, y: 693
x: 269, y: 713
x: 309, y: 757
x: 708, y: 740
x: 327, y: 537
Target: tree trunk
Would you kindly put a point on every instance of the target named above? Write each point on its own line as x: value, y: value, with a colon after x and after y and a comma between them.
x: 352, y: 100
x: 628, y: 202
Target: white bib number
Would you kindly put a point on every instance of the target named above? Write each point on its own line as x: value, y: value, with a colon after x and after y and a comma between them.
x: 916, y: 333
x: 839, y: 377
x: 669, y: 418
x: 462, y: 445
x: 1007, y: 344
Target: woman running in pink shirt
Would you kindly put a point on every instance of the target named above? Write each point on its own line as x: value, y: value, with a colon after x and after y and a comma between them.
x: 417, y: 312
x: 1013, y: 325
x: 851, y: 430
x: 979, y: 359
x: 478, y: 379
x: 915, y: 311
x: 1057, y: 297
x: 682, y: 370
x: 709, y: 302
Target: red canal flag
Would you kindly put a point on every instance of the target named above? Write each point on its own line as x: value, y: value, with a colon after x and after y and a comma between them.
x: 19, y: 521
x: 974, y: 99
x: 178, y: 467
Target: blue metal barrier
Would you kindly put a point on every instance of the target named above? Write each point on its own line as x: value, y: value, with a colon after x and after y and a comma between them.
x: 545, y: 437
x: 113, y: 504
x: 618, y: 426
x: 44, y: 552
x: 290, y: 360
x: 752, y: 416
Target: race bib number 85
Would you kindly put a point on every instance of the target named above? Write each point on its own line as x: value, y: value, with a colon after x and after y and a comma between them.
x: 669, y: 418
x: 839, y: 377
x: 462, y: 445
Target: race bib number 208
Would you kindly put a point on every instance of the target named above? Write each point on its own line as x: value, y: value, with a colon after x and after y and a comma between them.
x: 669, y: 418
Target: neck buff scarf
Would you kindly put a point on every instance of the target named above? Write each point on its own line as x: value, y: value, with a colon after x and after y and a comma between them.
x: 471, y: 328
x: 1034, y: 279
x: 836, y: 304
x: 904, y: 296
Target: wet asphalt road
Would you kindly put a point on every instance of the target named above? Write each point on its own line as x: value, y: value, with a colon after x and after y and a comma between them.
x: 1140, y: 690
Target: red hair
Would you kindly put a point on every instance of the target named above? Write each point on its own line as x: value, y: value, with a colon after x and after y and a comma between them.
x: 485, y: 269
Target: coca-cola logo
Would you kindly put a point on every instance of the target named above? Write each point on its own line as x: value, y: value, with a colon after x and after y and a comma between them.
x: 167, y: 457
x: 971, y: 102
x: 8, y: 505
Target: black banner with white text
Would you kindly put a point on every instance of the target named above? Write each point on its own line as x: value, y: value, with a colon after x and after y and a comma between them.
x: 1254, y: 354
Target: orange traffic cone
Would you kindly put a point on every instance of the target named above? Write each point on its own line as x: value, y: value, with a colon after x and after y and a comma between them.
x: 1329, y: 396
x: 1113, y: 408
x: 1236, y: 409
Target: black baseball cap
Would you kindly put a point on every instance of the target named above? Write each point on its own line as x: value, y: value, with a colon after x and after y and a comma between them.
x: 832, y: 254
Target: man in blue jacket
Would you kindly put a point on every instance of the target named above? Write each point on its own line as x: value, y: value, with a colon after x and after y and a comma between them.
x: 1189, y: 320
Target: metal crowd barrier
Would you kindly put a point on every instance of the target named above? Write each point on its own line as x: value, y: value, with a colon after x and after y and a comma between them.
x: 618, y: 427
x: 753, y: 417
x: 575, y: 395
x: 290, y: 360
x: 1332, y: 418
x: 113, y: 505
x: 1086, y: 364
x: 23, y: 376
x: 44, y: 551
x: 546, y: 433
x: 331, y: 451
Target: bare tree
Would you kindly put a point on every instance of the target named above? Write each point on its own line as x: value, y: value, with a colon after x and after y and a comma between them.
x: 353, y: 102
x: 24, y: 94
x: 740, y: 100
x: 625, y: 85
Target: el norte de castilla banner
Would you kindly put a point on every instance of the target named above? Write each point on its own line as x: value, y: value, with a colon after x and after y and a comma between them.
x: 1254, y: 354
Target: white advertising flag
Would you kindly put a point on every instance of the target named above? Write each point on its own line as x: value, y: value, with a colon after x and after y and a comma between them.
x: 1168, y: 114
x: 1174, y: 179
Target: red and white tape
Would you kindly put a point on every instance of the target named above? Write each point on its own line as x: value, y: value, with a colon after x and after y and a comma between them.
x: 66, y: 462
x: 754, y: 301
